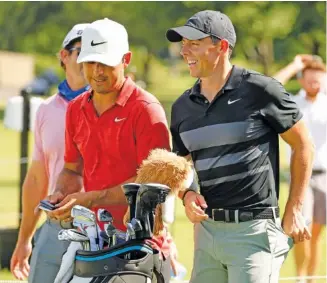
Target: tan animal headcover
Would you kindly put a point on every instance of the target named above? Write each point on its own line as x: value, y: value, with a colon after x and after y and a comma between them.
x: 166, y: 168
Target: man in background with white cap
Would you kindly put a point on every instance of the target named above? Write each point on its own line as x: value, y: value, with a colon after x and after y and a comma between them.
x: 110, y: 129
x: 48, y: 160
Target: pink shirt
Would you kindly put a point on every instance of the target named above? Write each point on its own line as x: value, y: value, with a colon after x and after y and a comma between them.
x: 49, y: 137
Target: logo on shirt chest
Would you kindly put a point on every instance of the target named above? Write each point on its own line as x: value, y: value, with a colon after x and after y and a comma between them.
x: 119, y: 119
x: 232, y: 101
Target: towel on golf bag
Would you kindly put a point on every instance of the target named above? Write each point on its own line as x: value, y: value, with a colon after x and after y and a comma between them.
x: 131, y: 262
x: 66, y: 271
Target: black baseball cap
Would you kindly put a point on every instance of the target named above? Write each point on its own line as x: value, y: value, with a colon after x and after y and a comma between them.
x: 203, y: 24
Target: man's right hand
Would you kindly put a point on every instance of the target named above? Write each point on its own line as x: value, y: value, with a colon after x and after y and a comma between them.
x: 19, y: 265
x: 194, y: 207
x: 54, y: 199
x: 302, y: 60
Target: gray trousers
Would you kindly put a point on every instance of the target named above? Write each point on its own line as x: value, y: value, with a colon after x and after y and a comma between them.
x: 47, y: 253
x: 246, y: 252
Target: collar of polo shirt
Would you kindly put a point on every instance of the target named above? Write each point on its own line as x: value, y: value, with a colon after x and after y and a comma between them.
x: 233, y: 82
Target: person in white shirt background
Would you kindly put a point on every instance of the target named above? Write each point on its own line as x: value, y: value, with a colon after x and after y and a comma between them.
x: 312, y: 100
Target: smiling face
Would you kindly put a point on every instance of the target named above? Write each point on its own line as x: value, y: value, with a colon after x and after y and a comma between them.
x: 202, y: 56
x: 105, y: 79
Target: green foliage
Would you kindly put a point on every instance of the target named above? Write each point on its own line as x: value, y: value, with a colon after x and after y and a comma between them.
x: 269, y: 34
x: 45, y: 62
x: 257, y: 25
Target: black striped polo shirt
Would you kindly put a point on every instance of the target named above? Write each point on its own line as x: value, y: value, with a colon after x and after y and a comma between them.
x: 233, y: 140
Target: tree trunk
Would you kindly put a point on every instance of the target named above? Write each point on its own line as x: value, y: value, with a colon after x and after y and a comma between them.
x: 315, y: 47
x: 146, y: 68
x: 266, y: 55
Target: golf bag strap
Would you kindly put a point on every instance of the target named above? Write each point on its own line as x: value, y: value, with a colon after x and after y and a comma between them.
x: 160, y: 278
x: 157, y: 270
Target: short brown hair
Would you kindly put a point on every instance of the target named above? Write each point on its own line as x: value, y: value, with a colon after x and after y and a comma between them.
x: 315, y: 65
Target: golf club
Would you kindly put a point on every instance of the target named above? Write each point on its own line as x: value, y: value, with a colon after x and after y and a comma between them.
x: 147, y: 199
x: 74, y: 235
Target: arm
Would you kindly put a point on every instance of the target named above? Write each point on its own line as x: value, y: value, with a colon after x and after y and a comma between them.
x: 70, y: 178
x: 35, y: 186
x: 298, y: 138
x: 112, y: 196
x: 69, y: 181
x: 68, y: 193
x: 193, y: 201
x: 283, y: 115
x: 297, y: 65
x: 193, y: 186
x: 288, y: 72
x: 34, y: 189
x: 69, y: 185
x: 180, y: 149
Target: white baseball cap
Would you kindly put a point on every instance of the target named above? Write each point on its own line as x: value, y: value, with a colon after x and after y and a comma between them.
x: 104, y: 41
x: 74, y: 33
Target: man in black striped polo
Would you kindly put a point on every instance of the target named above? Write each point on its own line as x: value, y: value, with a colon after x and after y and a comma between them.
x: 228, y: 123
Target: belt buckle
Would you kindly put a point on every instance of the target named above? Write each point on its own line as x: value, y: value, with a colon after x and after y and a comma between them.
x: 213, y: 213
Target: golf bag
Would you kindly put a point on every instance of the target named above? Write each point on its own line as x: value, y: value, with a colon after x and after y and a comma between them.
x: 134, y: 261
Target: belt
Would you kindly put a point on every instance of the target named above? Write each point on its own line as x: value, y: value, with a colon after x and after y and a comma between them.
x: 242, y: 215
x: 318, y: 171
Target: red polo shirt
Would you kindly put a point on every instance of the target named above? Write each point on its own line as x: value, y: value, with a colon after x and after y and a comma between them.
x: 113, y: 145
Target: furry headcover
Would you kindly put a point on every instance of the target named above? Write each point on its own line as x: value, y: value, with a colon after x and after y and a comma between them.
x: 165, y: 168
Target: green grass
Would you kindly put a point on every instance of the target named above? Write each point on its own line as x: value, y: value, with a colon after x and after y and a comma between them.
x: 166, y: 85
x: 9, y: 176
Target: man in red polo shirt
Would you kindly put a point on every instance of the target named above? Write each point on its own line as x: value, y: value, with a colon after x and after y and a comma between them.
x: 110, y: 129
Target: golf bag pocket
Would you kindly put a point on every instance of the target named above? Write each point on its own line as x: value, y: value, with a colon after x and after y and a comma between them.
x: 130, y: 258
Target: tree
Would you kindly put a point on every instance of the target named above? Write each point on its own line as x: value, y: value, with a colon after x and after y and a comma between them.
x: 267, y: 32
x: 258, y: 25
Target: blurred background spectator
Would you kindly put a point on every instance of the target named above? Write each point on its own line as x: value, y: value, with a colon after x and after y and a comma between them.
x: 312, y: 100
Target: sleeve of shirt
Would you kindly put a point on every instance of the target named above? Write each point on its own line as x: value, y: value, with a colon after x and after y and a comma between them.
x: 151, y: 131
x: 72, y: 153
x: 38, y: 153
x: 178, y: 145
x: 279, y: 110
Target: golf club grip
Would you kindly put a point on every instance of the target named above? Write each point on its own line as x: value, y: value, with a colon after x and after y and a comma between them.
x: 151, y: 220
x: 132, y: 208
x: 132, y: 204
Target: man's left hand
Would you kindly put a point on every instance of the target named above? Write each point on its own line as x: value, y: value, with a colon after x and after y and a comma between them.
x: 294, y: 224
x: 63, y: 210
